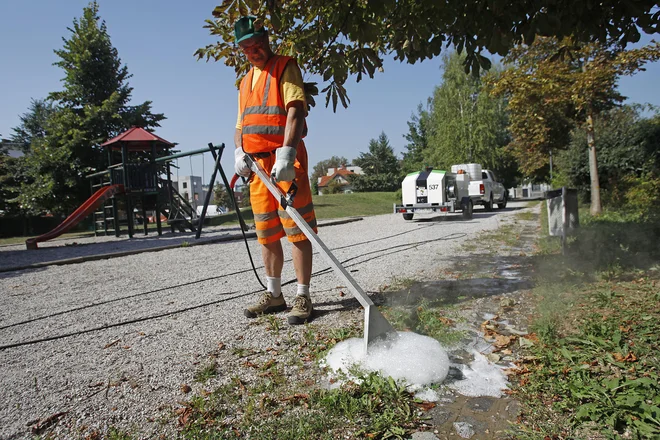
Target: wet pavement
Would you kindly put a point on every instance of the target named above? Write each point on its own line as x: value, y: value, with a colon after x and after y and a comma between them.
x: 491, y: 292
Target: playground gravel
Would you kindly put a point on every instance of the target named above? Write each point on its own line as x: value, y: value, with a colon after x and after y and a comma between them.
x: 120, y: 336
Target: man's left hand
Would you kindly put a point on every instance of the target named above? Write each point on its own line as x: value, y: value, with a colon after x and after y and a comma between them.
x: 283, y: 170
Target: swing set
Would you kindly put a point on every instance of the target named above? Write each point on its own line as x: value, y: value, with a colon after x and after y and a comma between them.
x: 140, y: 181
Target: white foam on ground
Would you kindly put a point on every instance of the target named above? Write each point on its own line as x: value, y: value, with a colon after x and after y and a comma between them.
x: 482, y: 378
x: 419, y: 360
x: 428, y: 395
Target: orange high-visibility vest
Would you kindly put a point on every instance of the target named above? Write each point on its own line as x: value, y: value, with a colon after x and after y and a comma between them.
x: 263, y: 114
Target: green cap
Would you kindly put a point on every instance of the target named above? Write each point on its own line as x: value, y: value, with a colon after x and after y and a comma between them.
x: 248, y: 27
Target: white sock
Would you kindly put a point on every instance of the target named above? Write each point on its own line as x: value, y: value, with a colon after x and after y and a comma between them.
x: 274, y: 285
x: 303, y: 290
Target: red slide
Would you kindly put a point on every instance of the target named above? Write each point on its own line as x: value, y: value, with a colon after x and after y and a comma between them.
x: 79, y: 214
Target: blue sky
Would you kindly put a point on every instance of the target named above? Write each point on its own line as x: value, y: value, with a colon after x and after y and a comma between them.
x: 156, y: 41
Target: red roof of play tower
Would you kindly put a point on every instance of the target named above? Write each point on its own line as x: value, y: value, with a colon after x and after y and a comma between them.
x: 138, y: 139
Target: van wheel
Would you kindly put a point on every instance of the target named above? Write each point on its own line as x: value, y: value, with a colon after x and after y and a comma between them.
x: 408, y: 216
x: 467, y: 210
x: 503, y: 204
x: 489, y: 204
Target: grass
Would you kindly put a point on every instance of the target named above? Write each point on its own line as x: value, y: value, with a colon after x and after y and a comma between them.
x: 426, y: 319
x: 331, y: 206
x: 374, y: 408
x: 207, y: 372
x: 526, y: 216
x: 356, y: 204
x: 281, y: 404
x: 21, y: 240
x: 594, y: 371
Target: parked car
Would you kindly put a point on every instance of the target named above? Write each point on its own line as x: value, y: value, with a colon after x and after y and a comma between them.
x: 488, y: 191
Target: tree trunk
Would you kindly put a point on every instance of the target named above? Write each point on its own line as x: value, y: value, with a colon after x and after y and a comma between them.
x: 596, y: 208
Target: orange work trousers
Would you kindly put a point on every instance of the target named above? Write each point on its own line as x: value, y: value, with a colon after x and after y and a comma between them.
x: 271, y: 220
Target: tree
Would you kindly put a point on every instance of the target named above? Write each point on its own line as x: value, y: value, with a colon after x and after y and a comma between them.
x: 33, y: 123
x: 92, y: 107
x: 11, y: 176
x: 380, y: 159
x: 321, y: 168
x: 628, y: 146
x: 557, y: 85
x: 337, y: 39
x: 221, y: 196
x: 245, y: 192
x: 380, y: 166
x: 468, y: 125
x: 419, y: 132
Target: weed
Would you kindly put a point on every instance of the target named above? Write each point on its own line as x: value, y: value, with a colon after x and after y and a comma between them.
x: 185, y: 244
x: 273, y: 323
x: 240, y: 352
x: 425, y: 319
x: 525, y: 216
x: 605, y: 371
x: 400, y: 283
x: 343, y: 333
x: 432, y: 321
x: 207, y: 372
x: 594, y: 373
x: 116, y: 434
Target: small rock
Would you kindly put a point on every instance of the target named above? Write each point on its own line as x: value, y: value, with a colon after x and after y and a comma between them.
x: 424, y: 436
x: 493, y: 357
x: 507, y: 302
x: 185, y: 388
x: 463, y: 429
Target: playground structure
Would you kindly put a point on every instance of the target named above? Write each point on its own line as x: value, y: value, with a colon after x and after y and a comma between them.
x: 134, y: 182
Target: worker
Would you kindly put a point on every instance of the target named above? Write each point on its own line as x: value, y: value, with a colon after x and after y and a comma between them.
x: 270, y: 127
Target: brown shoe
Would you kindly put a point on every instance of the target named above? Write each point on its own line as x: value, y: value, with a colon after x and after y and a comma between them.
x: 301, y: 310
x: 267, y: 304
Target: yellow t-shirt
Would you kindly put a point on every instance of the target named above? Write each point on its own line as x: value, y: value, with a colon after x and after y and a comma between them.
x: 291, y: 88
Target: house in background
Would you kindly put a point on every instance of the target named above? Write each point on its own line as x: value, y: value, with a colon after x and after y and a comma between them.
x: 192, y: 189
x: 529, y: 191
x: 338, y: 177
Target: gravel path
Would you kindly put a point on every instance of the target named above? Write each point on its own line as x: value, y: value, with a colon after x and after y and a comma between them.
x: 139, y: 325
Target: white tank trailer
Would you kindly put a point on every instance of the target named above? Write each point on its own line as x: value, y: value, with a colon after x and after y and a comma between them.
x: 432, y: 191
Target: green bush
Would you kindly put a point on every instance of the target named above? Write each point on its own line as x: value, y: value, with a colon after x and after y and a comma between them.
x: 638, y: 197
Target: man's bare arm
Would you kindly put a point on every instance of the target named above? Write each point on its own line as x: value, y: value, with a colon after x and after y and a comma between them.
x: 238, y: 140
x: 295, y: 121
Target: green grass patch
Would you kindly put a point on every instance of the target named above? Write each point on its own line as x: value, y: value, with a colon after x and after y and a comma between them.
x: 207, y: 372
x: 21, y: 240
x: 354, y: 204
x: 117, y: 434
x: 330, y: 206
x: 603, y: 376
x: 526, y: 216
x: 594, y: 371
x: 506, y: 235
x: 426, y: 319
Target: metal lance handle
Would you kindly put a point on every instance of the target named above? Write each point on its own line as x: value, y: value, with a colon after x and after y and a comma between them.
x: 376, y: 326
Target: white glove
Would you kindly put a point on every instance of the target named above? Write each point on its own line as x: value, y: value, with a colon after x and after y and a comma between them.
x: 283, y: 170
x: 240, y: 165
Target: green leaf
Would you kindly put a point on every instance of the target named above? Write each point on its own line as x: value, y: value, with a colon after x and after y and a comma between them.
x: 218, y: 11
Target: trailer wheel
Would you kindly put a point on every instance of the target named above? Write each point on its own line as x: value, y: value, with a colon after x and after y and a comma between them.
x: 503, y: 204
x: 489, y: 204
x: 408, y: 216
x: 467, y: 210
